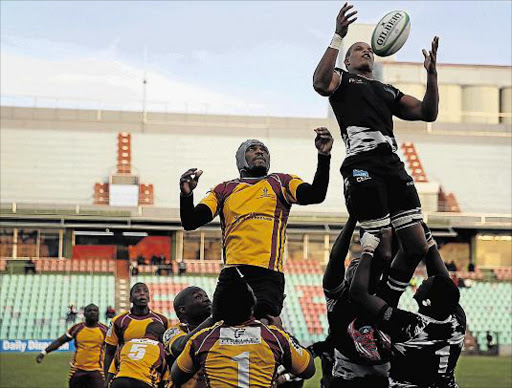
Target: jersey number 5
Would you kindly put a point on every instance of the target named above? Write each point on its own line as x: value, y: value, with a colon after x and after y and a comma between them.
x: 137, y: 351
x: 243, y: 369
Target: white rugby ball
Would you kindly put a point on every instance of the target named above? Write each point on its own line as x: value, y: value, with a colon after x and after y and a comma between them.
x: 391, y: 33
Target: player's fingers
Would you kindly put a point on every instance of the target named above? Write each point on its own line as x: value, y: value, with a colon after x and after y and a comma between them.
x: 189, y: 172
x: 424, y: 53
x: 198, y: 174
x: 349, y: 15
x: 351, y: 21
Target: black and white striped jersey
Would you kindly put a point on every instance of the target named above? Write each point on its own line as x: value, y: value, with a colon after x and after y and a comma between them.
x: 364, y: 109
x: 425, y: 351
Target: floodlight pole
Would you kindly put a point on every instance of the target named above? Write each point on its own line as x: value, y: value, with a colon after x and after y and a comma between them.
x: 144, y: 91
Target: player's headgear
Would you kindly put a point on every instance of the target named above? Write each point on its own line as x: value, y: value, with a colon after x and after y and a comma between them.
x: 234, y: 302
x: 438, y: 296
x: 241, y: 162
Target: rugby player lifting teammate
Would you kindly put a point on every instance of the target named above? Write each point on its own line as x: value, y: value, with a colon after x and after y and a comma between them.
x: 240, y: 351
x: 378, y: 191
x: 87, y: 365
x: 254, y: 212
x: 426, y: 345
x: 193, y: 308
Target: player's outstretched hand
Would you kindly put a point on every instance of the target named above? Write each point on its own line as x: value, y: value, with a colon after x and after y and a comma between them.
x: 345, y: 19
x: 323, y: 140
x: 40, y: 358
x: 369, y: 243
x: 188, y: 181
x: 431, y: 57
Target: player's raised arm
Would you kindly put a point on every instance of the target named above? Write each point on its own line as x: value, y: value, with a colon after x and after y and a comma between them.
x: 410, y: 108
x: 325, y: 79
x: 308, y: 194
x: 359, y: 289
x: 335, y: 269
x: 53, y: 346
x: 192, y: 217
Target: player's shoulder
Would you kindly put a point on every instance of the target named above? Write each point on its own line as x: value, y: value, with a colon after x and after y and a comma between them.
x: 206, y: 332
x: 119, y: 317
x: 159, y: 317
x: 282, y: 178
x: 225, y: 188
x: 174, y: 332
x: 102, y: 327
x: 73, y: 330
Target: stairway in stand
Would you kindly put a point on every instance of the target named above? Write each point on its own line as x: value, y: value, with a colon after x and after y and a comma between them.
x: 122, y: 286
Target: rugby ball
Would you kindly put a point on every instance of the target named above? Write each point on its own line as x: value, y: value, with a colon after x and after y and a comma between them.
x: 391, y: 33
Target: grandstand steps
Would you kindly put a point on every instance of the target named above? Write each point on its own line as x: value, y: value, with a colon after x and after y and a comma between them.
x: 122, y: 289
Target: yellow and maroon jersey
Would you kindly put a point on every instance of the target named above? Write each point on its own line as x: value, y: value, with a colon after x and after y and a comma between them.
x: 242, y: 356
x: 254, y: 214
x: 127, y: 326
x: 170, y: 336
x: 89, y: 345
x: 142, y: 359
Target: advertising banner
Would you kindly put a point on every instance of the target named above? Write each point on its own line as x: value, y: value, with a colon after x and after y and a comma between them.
x: 23, y: 346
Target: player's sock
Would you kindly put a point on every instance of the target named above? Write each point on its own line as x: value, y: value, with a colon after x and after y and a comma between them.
x: 393, y: 286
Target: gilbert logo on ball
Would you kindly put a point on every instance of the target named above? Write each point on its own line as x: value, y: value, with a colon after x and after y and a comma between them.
x: 391, y: 33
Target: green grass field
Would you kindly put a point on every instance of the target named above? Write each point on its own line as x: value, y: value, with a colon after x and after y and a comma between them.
x: 21, y: 371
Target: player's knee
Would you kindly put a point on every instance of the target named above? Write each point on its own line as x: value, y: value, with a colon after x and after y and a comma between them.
x: 417, y: 250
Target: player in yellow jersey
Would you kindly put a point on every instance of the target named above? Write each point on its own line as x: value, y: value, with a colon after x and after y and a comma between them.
x: 193, y: 307
x: 87, y: 365
x: 240, y: 352
x: 132, y: 324
x: 254, y: 210
x: 140, y: 363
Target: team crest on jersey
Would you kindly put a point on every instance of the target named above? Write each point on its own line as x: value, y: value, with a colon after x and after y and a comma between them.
x: 265, y: 194
x: 240, y: 336
x: 360, y: 173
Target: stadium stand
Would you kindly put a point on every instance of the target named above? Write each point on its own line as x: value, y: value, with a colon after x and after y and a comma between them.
x: 34, y: 306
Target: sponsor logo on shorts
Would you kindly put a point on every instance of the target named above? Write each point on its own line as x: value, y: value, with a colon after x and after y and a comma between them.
x: 240, y: 336
x: 361, y: 173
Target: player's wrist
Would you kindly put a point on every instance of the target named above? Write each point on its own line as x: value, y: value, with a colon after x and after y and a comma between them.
x: 185, y: 195
x: 327, y: 153
x: 336, y: 41
x: 43, y: 353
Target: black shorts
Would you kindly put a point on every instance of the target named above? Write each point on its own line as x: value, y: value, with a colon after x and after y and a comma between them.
x: 79, y: 378
x: 268, y: 286
x: 127, y: 382
x: 379, y: 193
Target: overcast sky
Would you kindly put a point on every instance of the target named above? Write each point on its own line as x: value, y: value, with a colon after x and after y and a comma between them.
x: 242, y: 57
